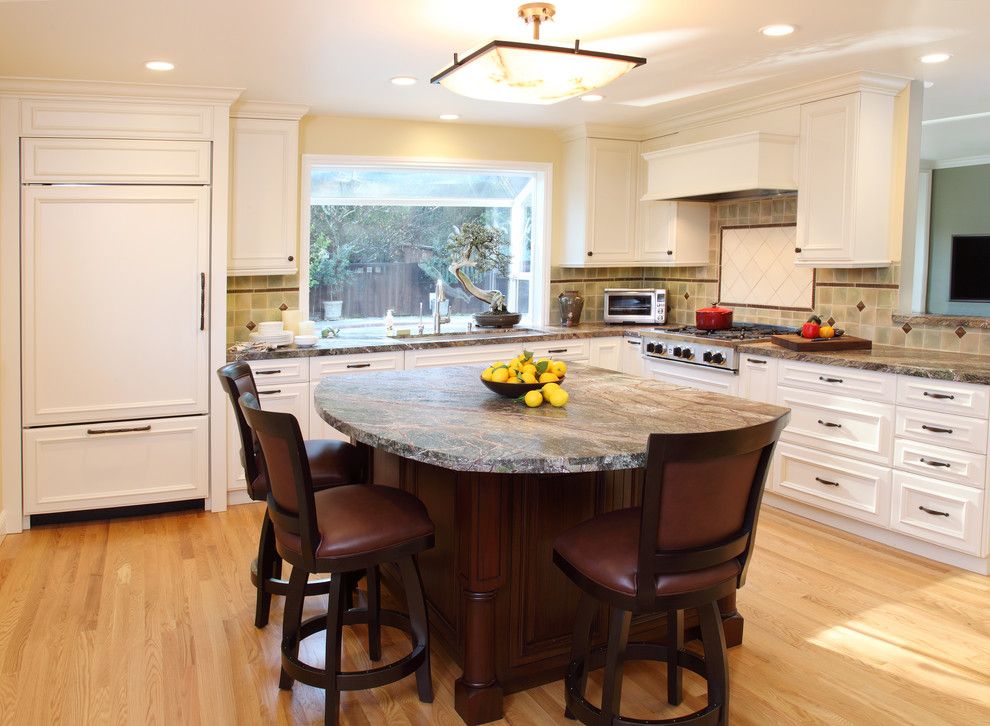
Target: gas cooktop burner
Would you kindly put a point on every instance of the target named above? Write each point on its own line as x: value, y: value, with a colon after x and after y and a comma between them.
x: 738, y: 332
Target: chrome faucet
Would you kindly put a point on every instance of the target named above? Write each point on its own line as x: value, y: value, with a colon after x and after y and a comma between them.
x: 441, y: 307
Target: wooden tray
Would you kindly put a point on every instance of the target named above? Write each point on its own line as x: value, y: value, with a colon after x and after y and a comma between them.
x: 810, y: 345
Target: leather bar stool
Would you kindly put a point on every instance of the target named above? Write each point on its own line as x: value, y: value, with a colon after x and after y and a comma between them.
x: 687, y: 546
x: 332, y: 463
x: 344, y: 529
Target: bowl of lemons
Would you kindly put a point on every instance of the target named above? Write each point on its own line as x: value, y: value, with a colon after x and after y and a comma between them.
x: 524, y: 376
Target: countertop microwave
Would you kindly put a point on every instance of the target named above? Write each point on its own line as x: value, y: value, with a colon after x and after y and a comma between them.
x: 624, y: 305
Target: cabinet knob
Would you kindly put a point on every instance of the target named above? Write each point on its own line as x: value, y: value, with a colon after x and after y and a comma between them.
x: 590, y: 253
x: 798, y: 250
x: 291, y: 258
x: 670, y: 252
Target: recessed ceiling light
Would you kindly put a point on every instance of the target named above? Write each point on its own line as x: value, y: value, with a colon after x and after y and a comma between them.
x: 403, y: 81
x: 775, y: 31
x: 592, y: 97
x: 159, y: 65
x: 449, y: 117
x: 935, y: 58
x: 929, y: 84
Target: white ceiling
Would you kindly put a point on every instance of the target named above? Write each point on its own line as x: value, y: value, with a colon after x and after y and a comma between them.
x: 337, y: 55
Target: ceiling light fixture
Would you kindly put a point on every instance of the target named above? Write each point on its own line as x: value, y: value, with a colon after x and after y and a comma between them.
x: 449, y: 117
x: 776, y: 31
x: 403, y: 81
x: 935, y: 58
x: 592, y: 97
x: 159, y: 65
x: 507, y: 70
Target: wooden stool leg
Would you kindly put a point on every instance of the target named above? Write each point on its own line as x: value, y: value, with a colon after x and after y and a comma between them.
x: 413, y: 584
x: 267, y: 557
x: 716, y: 665
x: 675, y: 644
x: 615, y: 655
x: 374, y: 620
x: 291, y: 620
x: 581, y: 643
x: 336, y: 601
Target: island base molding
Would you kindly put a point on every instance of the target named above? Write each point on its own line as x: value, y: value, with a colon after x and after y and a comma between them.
x: 497, y: 602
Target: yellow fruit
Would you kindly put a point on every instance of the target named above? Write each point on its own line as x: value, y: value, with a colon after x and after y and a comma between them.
x: 500, y: 375
x: 513, y: 380
x: 548, y: 378
x: 549, y: 387
x: 486, y: 375
x: 533, y: 399
x: 559, y: 368
x: 529, y: 368
x: 528, y: 377
x: 543, y: 360
x: 497, y: 364
x: 558, y: 397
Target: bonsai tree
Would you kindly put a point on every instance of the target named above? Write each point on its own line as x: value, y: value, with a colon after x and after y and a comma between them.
x: 479, y: 246
x: 330, y: 266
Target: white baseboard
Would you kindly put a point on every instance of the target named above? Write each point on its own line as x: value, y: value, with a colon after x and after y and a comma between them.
x: 238, y: 496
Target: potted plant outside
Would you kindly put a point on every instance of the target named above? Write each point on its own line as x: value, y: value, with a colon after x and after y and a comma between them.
x: 330, y: 266
x: 479, y: 246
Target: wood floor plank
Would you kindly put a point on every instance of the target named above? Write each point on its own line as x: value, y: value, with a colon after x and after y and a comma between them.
x: 150, y: 621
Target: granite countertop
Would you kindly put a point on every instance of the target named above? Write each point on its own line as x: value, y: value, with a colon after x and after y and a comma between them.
x: 963, y: 367
x: 360, y: 340
x: 446, y: 417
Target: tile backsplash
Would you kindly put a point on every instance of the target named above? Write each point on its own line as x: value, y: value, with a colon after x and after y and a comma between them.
x: 257, y: 299
x: 862, y: 301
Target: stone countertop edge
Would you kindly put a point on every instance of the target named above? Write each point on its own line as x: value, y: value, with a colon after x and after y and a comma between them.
x: 447, y: 418
x: 933, y: 364
x: 349, y: 346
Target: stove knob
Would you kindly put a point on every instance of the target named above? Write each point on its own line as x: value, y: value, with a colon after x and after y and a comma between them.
x: 686, y: 354
x: 718, y: 358
x: 650, y: 347
x: 707, y: 357
x: 677, y: 351
x: 660, y: 348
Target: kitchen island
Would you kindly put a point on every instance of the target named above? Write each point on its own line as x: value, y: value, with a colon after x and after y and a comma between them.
x: 501, y: 481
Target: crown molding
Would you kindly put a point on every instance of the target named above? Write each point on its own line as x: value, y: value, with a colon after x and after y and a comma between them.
x: 977, y: 160
x: 600, y: 131
x: 116, y: 91
x: 795, y: 95
x: 268, y: 110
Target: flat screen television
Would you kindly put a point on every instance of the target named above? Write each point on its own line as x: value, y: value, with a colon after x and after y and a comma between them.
x: 969, y: 278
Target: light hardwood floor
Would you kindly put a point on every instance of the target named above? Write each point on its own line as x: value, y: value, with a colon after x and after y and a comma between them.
x: 149, y: 621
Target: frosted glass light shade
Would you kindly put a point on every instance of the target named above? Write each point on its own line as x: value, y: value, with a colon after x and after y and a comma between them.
x: 531, y: 73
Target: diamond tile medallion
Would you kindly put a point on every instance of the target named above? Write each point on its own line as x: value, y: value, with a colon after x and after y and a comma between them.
x: 758, y: 268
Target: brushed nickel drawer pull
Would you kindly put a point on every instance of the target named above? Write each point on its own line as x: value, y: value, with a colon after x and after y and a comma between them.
x: 932, y: 462
x: 829, y: 380
x: 939, y: 396
x: 135, y: 429
x: 557, y: 350
x: 757, y: 361
x: 271, y: 372
x: 826, y: 482
x: 829, y: 424
x: 932, y: 511
x: 936, y: 429
x: 359, y: 365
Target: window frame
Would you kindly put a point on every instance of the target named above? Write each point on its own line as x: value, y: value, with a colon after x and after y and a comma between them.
x: 539, y: 277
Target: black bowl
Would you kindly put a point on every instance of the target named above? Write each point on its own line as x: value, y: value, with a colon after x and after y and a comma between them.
x: 496, y: 320
x: 514, y: 390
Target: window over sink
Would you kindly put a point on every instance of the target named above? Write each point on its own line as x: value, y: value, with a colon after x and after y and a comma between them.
x: 376, y: 231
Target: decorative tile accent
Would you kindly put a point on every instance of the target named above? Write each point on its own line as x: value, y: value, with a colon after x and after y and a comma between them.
x: 906, y: 328
x: 283, y: 307
x: 758, y: 268
x: 250, y: 325
x: 861, y: 306
x: 687, y: 295
x: 960, y: 331
x: 830, y: 321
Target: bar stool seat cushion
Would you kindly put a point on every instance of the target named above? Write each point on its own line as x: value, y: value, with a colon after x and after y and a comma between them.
x: 357, y: 519
x: 331, y: 463
x: 604, y: 550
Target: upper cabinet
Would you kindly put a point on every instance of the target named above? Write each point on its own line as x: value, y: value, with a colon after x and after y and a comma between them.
x: 845, y: 181
x: 264, y: 183
x: 673, y: 234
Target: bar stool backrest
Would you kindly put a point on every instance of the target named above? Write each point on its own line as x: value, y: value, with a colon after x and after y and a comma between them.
x: 236, y: 380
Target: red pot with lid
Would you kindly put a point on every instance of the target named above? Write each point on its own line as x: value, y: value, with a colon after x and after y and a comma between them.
x: 713, y: 318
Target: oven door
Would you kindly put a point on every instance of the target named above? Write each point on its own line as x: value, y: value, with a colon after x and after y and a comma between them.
x: 633, y: 307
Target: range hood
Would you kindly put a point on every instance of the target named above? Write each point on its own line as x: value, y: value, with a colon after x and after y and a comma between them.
x: 754, y: 164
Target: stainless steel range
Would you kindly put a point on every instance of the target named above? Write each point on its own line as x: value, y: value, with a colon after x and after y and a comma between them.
x: 707, y: 348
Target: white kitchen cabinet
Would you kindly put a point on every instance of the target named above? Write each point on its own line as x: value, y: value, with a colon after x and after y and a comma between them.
x: 758, y: 378
x: 633, y: 363
x: 93, y: 466
x: 941, y: 429
x: 600, y: 192
x: 845, y: 180
x: 704, y: 379
x: 838, y: 380
x: 321, y: 367
x: 481, y: 355
x: 263, y: 196
x: 945, y: 514
x: 672, y: 234
x: 607, y: 353
x: 569, y: 351
x: 114, y: 161
x: 947, y: 397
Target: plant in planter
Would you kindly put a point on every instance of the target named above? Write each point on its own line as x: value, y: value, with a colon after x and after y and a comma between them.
x: 330, y: 266
x: 479, y: 246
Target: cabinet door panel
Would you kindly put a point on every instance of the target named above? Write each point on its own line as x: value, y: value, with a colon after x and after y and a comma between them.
x: 611, y: 198
x: 607, y: 353
x: 632, y: 357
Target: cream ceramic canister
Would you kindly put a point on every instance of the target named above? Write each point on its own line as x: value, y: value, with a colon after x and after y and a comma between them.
x: 571, y: 305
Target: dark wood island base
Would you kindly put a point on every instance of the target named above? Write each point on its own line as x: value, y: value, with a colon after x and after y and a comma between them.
x: 496, y: 600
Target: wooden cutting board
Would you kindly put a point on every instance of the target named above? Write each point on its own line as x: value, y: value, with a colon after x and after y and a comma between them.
x: 813, y: 345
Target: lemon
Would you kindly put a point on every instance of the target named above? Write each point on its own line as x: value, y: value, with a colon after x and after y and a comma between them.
x: 548, y: 378
x: 533, y: 399
x: 497, y: 364
x: 559, y: 368
x: 513, y: 380
x: 549, y: 387
x: 528, y: 377
x: 500, y: 375
x: 486, y: 375
x: 558, y: 397
x: 529, y: 368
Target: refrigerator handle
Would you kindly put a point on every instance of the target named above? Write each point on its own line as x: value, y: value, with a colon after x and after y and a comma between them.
x: 202, y: 301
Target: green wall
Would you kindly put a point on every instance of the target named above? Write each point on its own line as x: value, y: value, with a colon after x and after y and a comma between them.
x: 960, y: 205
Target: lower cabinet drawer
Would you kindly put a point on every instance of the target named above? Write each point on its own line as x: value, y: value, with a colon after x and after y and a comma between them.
x: 942, y: 429
x: 945, y: 514
x: 961, y: 467
x: 354, y: 363
x: 565, y: 350
x: 480, y: 355
x: 69, y: 468
x: 838, y: 484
